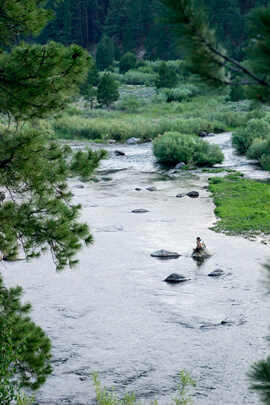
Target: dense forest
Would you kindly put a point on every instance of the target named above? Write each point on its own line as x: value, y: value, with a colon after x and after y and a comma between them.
x: 133, y: 27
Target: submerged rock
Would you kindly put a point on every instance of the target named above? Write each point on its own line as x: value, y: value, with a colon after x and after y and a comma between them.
x: 106, y: 178
x: 79, y: 186
x: 151, y: 188
x: 216, y: 273
x: 133, y: 141
x: 176, y: 278
x: 180, y: 195
x: 137, y: 189
x: 165, y: 254
x: 193, y: 194
x: 139, y: 211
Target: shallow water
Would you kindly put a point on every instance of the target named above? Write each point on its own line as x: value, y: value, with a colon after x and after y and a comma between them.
x: 115, y: 314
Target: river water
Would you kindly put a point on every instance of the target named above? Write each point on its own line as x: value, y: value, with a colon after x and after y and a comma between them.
x: 115, y: 314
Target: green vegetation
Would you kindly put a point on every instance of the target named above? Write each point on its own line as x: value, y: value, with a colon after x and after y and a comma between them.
x: 127, y: 62
x: 174, y: 147
x: 104, y: 397
x: 241, y: 204
x: 167, y: 77
x: 107, y: 91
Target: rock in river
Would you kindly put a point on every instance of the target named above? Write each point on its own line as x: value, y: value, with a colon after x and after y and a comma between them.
x: 151, y: 188
x: 216, y: 273
x: 165, y: 254
x: 176, y: 278
x: 119, y: 153
x: 180, y: 165
x: 139, y: 211
x: 193, y: 194
x: 106, y: 178
x: 133, y: 141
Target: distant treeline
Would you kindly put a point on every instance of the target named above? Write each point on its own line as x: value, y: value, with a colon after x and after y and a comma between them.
x: 132, y: 25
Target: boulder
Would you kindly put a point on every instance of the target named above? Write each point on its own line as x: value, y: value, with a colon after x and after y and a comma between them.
x: 138, y: 189
x: 133, y: 141
x: 148, y: 140
x: 193, y: 194
x: 151, y: 188
x: 176, y: 278
x: 119, y: 153
x: 216, y: 273
x: 202, y: 134
x: 202, y: 254
x: 180, y: 165
x: 111, y: 141
x: 106, y: 178
x: 211, y: 134
x: 165, y: 254
x: 139, y: 211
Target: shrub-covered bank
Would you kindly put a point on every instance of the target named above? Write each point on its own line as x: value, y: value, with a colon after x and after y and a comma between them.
x: 242, y: 205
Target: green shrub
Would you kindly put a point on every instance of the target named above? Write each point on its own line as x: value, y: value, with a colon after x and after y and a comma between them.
x: 260, y: 150
x: 243, y: 138
x: 174, y: 147
x: 127, y: 62
x: 167, y: 77
x: 191, y: 126
x: 130, y: 104
x: 141, y: 64
x: 135, y: 77
x: 182, y: 93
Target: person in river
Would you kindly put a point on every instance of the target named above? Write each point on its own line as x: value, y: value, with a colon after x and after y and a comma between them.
x: 198, y: 247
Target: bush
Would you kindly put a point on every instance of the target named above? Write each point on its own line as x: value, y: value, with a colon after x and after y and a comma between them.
x: 130, y: 104
x: 243, y: 138
x: 260, y: 150
x: 174, y: 147
x: 135, y: 77
x: 181, y: 93
x: 107, y: 91
x: 167, y: 77
x: 127, y: 62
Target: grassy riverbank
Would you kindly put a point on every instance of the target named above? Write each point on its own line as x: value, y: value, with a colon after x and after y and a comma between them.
x: 242, y: 206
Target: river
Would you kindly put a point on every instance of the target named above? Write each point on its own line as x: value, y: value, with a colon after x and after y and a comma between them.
x: 115, y: 314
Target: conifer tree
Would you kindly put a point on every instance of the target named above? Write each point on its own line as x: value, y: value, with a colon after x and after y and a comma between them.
x: 36, y: 212
x: 167, y: 77
x: 105, y: 53
x: 107, y: 91
x: 127, y: 62
x: 205, y: 56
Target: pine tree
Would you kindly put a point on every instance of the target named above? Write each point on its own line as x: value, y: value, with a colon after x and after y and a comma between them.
x: 167, y: 77
x: 105, y: 53
x: 36, y: 211
x: 127, y: 62
x: 209, y: 60
x: 107, y: 91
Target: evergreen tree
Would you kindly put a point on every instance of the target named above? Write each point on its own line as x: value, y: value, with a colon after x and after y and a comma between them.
x: 207, y: 58
x: 127, y: 62
x: 107, y: 91
x: 24, y: 347
x: 105, y: 53
x: 37, y: 212
x: 167, y: 77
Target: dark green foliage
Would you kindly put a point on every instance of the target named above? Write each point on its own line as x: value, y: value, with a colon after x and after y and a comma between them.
x: 24, y: 347
x: 174, y: 147
x: 243, y: 138
x: 127, y: 62
x: 260, y: 377
x: 206, y: 57
x: 107, y: 91
x: 105, y: 53
x: 38, y: 80
x: 34, y: 173
x: 260, y: 150
x: 167, y: 77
